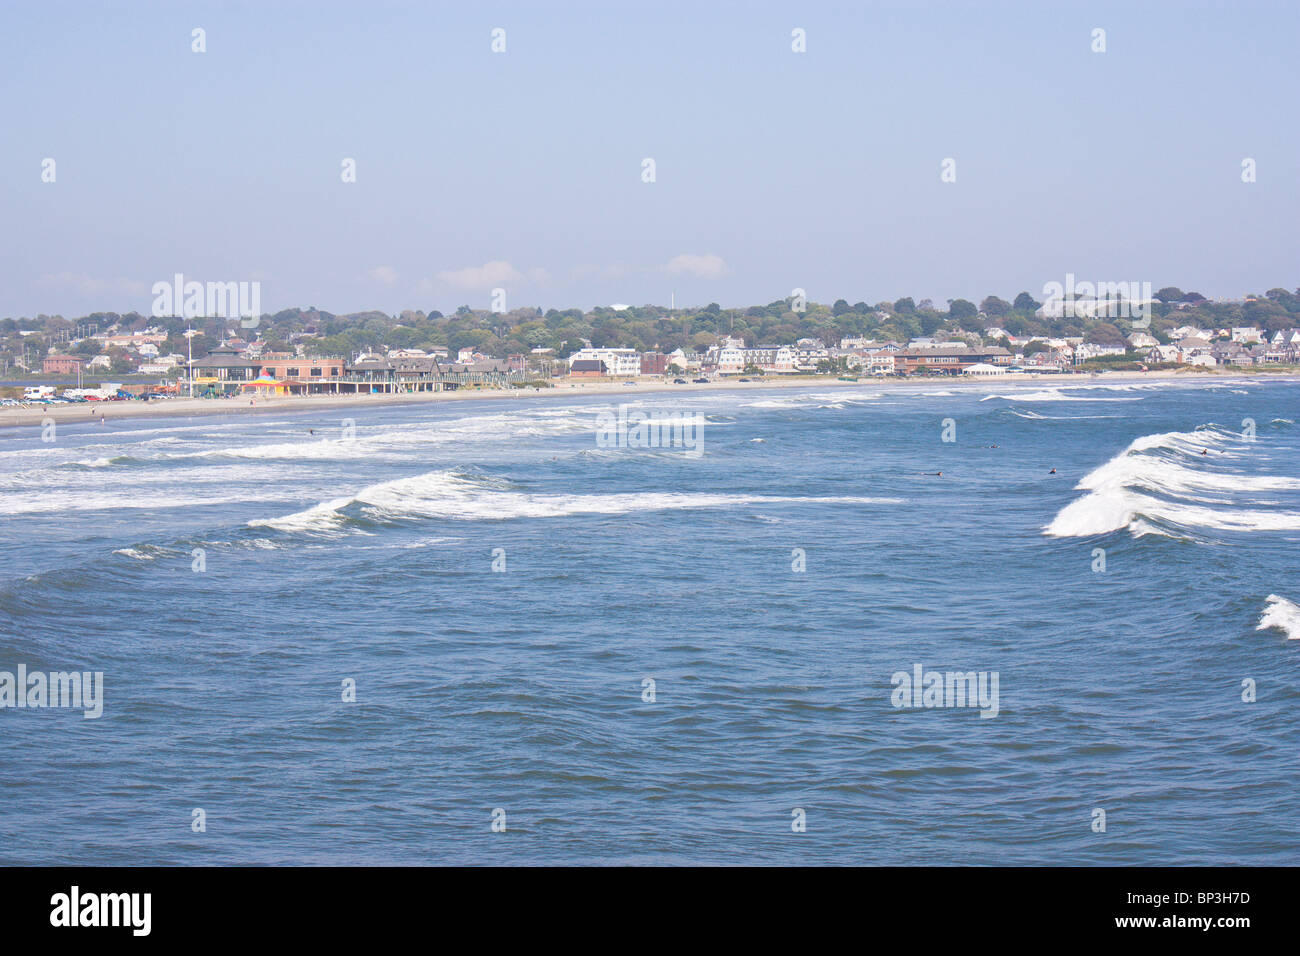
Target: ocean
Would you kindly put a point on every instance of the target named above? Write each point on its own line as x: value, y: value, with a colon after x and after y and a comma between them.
x: 474, y: 632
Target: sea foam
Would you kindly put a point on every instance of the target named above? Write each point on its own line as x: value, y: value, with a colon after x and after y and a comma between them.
x: 455, y: 495
x: 1164, y: 479
x: 1281, y: 614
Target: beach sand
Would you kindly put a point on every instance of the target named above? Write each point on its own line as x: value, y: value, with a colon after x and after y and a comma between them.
x: 193, y: 407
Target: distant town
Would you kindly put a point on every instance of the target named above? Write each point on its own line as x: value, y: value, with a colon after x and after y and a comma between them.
x: 307, y: 351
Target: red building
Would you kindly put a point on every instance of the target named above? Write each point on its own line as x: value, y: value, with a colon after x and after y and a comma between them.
x: 654, y: 363
x: 61, y: 365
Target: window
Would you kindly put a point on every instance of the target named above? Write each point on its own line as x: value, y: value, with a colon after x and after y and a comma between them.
x: 291, y: 373
x: 316, y: 372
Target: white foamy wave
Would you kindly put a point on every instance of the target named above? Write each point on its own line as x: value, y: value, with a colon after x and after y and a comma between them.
x: 455, y: 496
x: 1165, y: 478
x: 1059, y: 395
x: 1281, y: 614
x: 1035, y: 417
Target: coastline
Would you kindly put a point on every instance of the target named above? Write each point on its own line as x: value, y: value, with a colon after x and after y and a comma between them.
x: 204, y: 407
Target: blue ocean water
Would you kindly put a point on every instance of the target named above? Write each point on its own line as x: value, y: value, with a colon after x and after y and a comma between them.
x: 366, y: 553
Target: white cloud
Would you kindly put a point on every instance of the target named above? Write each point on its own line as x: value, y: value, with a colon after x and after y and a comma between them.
x: 385, y: 274
x: 702, y: 267
x: 481, y: 277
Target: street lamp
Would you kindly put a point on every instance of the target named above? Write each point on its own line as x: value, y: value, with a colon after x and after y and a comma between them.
x: 189, y: 358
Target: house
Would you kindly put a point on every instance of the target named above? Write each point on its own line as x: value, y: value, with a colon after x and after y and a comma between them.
x: 587, y: 368
x: 1159, y: 354
x: 1090, y: 350
x: 1141, y: 340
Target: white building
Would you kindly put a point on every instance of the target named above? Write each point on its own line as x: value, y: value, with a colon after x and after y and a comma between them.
x: 621, y: 362
x: 769, y: 358
x: 983, y: 369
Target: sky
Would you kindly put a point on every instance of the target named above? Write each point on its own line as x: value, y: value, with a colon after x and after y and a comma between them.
x: 524, y: 170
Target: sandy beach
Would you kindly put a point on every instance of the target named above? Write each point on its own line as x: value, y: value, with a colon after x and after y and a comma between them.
x: 193, y: 407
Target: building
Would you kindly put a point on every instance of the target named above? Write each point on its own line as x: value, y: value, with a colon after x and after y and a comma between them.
x: 223, y: 369
x: 654, y: 363
x: 731, y: 360
x: 303, y: 375
x: 947, y: 359
x: 61, y: 365
x: 622, y: 363
x: 587, y: 368
x: 983, y: 369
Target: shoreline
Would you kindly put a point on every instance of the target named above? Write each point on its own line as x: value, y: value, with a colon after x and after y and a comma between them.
x: 206, y: 407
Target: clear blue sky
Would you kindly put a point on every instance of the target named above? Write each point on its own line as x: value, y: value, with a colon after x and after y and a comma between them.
x: 775, y: 170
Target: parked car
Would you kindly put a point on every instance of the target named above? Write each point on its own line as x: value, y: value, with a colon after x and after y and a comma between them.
x: 744, y: 380
x: 679, y: 381
x: 701, y: 381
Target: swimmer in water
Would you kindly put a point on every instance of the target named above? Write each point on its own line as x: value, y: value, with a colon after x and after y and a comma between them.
x: 1052, y: 472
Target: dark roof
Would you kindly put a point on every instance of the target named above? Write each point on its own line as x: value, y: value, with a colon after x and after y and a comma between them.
x: 964, y: 352
x: 587, y: 365
x: 225, y: 356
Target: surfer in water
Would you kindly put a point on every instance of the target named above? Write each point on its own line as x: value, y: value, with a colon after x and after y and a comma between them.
x: 1052, y: 472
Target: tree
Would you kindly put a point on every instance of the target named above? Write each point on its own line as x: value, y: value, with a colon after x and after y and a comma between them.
x: 1104, y: 333
x: 992, y: 305
x: 961, y: 308
x: 905, y: 305
x: 1170, y: 293
x: 1025, y: 303
x: 840, y: 307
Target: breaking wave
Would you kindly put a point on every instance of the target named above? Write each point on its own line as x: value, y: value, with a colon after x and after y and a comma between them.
x: 456, y: 495
x: 1163, y: 484
x: 1281, y: 614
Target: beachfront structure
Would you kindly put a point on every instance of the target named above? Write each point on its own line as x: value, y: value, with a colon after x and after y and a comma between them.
x: 948, y: 359
x: 984, y: 370
x: 303, y: 375
x: 226, y: 369
x: 222, y: 370
x: 587, y: 368
x: 731, y: 360
x: 618, y: 362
